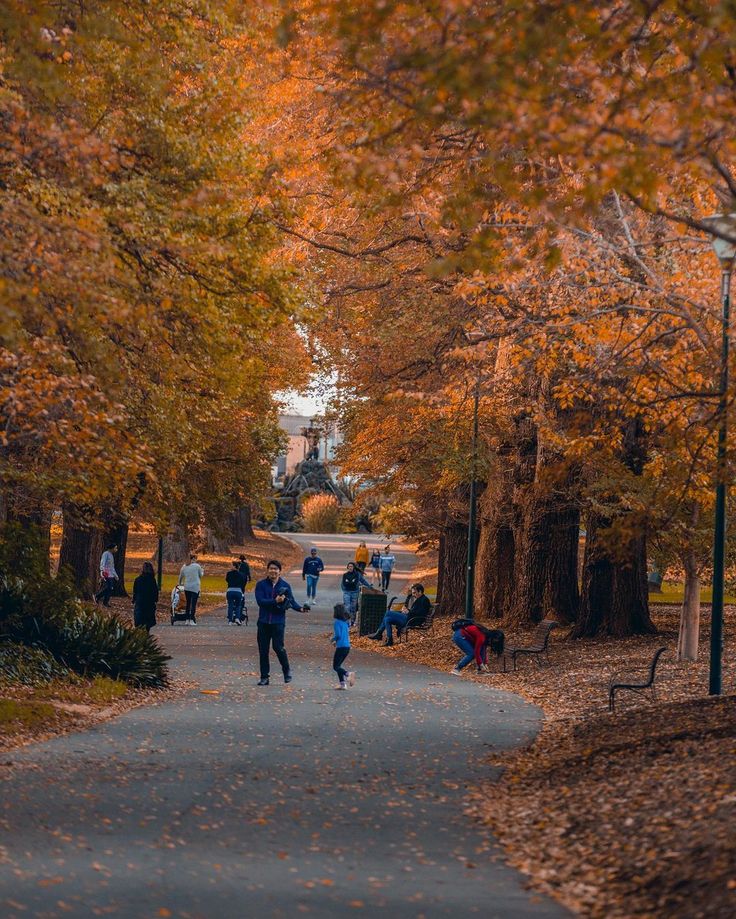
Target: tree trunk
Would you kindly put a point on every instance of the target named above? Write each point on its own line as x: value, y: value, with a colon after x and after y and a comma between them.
x: 116, y: 532
x: 614, y: 598
x: 494, y: 572
x: 439, y: 599
x: 215, y: 542
x: 687, y: 641
x: 176, y: 543
x: 30, y: 516
x: 455, y: 562
x: 241, y: 526
x: 81, y: 549
x: 546, y: 561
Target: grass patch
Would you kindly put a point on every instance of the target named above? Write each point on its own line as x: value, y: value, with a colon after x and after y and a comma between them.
x: 99, y: 691
x: 25, y: 715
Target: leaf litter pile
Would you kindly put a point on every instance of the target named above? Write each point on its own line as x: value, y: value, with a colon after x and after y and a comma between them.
x: 630, y: 814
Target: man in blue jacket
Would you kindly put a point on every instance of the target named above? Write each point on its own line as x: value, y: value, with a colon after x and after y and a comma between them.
x: 274, y: 597
x: 311, y: 570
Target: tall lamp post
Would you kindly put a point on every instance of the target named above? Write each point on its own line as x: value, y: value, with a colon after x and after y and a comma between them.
x: 721, y: 225
x: 473, y: 338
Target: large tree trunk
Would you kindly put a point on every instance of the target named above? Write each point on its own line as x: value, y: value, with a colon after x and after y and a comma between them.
x: 81, y: 549
x: 494, y: 572
x: 687, y: 641
x: 454, y: 568
x: 176, y: 543
x: 215, y: 542
x: 614, y: 598
x: 546, y: 562
x: 32, y: 517
x: 241, y: 526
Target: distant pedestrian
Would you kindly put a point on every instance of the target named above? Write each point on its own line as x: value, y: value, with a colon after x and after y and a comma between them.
x: 351, y: 583
x: 274, y: 597
x: 244, y: 569
x: 190, y: 577
x: 361, y: 557
x: 311, y: 569
x: 108, y: 575
x: 235, y: 594
x: 145, y: 598
x: 386, y: 564
x: 376, y: 566
x: 341, y: 641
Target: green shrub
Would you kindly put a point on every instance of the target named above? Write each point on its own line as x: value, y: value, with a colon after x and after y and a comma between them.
x: 28, y: 666
x: 321, y: 514
x: 41, y: 612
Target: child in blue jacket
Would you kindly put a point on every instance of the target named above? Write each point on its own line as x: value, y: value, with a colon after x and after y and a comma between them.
x: 341, y: 641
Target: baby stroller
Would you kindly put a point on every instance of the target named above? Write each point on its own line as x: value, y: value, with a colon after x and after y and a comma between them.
x: 242, y: 614
x: 178, y: 605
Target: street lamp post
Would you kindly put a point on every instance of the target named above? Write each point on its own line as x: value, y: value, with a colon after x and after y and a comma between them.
x: 720, y: 226
x: 470, y: 575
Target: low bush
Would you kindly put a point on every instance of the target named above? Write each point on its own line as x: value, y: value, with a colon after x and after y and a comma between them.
x: 321, y: 514
x: 28, y: 666
x: 40, y: 612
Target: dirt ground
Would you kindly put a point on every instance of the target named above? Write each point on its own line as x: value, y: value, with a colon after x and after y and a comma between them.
x: 622, y: 815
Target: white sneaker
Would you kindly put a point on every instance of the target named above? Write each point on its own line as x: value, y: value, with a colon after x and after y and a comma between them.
x: 456, y: 672
x: 351, y: 678
x: 342, y: 686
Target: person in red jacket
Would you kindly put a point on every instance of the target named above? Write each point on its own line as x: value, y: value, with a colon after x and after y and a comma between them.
x: 473, y: 640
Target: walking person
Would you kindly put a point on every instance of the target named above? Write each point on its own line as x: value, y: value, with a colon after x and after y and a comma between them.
x: 274, y: 597
x: 235, y: 594
x: 351, y: 584
x: 244, y: 569
x: 108, y: 575
x: 376, y: 566
x: 386, y: 564
x: 341, y: 641
x: 361, y: 557
x: 190, y: 577
x: 311, y: 569
x: 145, y: 598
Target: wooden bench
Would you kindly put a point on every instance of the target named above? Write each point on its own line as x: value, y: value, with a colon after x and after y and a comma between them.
x: 617, y: 680
x: 420, y: 625
x: 538, y: 646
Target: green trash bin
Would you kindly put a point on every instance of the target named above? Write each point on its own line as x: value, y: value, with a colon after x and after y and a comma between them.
x: 371, y: 610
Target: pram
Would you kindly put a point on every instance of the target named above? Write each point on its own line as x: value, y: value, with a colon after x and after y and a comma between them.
x: 241, y: 616
x: 178, y: 605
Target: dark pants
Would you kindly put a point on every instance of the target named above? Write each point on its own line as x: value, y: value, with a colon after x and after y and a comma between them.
x: 337, y: 663
x: 271, y: 634
x: 192, y: 598
x: 385, y: 579
x: 103, y: 595
x: 360, y: 566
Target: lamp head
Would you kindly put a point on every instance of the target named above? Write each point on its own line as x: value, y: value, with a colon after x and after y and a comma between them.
x: 722, y: 228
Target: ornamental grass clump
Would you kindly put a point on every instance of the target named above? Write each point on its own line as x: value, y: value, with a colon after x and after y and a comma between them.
x: 321, y: 514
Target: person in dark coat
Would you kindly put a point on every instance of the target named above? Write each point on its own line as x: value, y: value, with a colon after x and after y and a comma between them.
x: 145, y: 598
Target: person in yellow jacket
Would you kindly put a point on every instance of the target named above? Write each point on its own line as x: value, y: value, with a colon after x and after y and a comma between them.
x: 361, y: 557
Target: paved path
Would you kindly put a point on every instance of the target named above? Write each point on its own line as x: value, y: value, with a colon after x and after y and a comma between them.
x: 269, y: 801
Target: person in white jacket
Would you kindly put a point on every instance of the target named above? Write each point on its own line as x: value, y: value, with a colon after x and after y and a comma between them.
x: 108, y: 575
x: 190, y: 577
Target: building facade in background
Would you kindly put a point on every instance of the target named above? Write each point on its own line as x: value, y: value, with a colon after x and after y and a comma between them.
x: 306, y: 435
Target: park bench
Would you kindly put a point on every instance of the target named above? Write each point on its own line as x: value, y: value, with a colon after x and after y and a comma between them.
x: 420, y: 625
x: 538, y: 647
x: 641, y: 685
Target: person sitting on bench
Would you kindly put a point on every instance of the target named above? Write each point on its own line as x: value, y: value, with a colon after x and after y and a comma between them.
x: 419, y: 611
